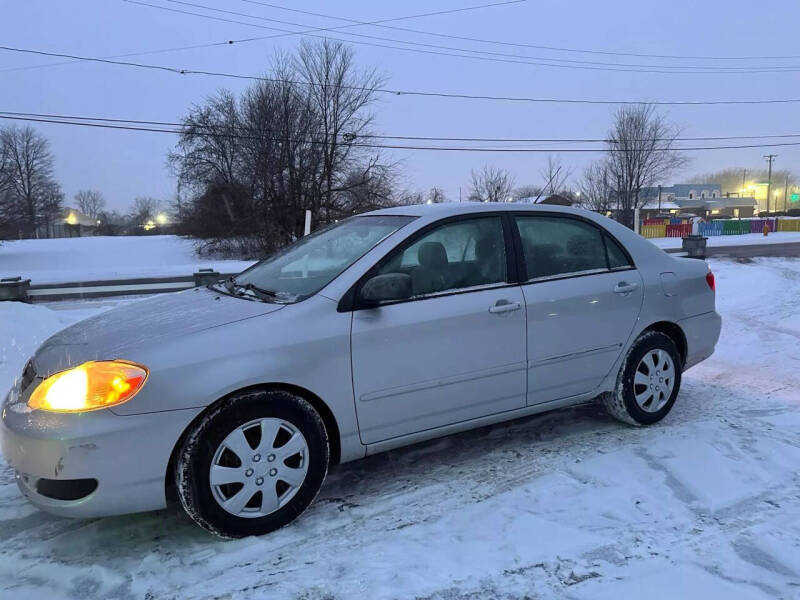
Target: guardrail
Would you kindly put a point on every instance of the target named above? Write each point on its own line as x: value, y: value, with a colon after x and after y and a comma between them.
x: 16, y: 288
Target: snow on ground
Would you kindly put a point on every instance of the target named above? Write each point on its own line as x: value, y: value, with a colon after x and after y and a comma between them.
x: 570, y: 504
x: 747, y: 239
x: 115, y: 257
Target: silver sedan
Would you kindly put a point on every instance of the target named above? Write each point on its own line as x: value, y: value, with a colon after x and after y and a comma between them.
x: 382, y: 330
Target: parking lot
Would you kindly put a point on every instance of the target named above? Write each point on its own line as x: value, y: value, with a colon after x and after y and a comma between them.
x: 568, y: 503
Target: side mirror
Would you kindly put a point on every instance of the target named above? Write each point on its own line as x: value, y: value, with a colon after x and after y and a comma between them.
x: 384, y: 288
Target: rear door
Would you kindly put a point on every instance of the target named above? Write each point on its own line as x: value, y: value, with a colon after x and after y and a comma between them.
x: 453, y: 352
x: 583, y: 295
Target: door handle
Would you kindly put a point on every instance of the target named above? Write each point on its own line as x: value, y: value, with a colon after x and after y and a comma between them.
x: 504, y: 306
x: 623, y: 287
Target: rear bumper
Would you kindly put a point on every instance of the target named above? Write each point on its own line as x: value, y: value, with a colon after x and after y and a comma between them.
x: 702, y: 333
x: 126, y: 456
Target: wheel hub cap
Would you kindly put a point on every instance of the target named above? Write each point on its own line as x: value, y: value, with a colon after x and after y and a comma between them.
x: 654, y: 380
x: 245, y: 484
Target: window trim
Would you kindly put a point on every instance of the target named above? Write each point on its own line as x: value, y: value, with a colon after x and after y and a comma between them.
x: 607, y: 236
x: 349, y: 302
x: 522, y: 265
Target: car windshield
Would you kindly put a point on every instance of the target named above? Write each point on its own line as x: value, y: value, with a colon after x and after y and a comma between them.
x: 312, y: 262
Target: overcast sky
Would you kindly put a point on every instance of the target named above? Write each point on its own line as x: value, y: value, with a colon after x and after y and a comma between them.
x: 123, y: 165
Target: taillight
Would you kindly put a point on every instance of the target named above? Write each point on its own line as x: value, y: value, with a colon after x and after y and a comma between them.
x: 711, y: 282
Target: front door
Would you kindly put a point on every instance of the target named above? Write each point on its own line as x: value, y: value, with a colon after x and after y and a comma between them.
x: 456, y: 350
x: 583, y: 296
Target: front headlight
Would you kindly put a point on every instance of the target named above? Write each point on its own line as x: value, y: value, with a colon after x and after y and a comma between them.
x: 90, y: 386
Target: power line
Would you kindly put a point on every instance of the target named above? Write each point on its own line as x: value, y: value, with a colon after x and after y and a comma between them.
x: 526, y: 58
x: 520, y: 44
x: 475, y: 54
x: 382, y: 146
x: 410, y: 137
x: 269, y: 37
x: 401, y: 92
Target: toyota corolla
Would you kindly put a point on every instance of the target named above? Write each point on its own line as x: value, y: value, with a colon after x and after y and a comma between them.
x: 382, y: 330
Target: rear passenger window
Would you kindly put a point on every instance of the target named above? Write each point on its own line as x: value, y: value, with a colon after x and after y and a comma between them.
x: 556, y: 246
x: 617, y: 259
x: 456, y: 255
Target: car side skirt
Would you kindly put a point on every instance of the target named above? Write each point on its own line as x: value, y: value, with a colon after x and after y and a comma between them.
x: 422, y: 436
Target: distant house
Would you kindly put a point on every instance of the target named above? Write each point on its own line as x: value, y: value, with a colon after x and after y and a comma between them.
x: 653, y: 208
x: 70, y: 222
x: 701, y: 199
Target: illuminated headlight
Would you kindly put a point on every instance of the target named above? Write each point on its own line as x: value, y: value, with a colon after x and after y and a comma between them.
x: 90, y: 386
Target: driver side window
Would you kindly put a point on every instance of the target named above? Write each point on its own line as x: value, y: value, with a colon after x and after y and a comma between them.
x: 453, y: 256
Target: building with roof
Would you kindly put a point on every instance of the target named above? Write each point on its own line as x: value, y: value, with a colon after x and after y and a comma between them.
x: 700, y: 199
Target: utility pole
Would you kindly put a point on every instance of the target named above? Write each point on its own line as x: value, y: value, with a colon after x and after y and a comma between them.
x: 744, y: 176
x: 770, y: 158
x: 785, y: 193
x: 659, y: 199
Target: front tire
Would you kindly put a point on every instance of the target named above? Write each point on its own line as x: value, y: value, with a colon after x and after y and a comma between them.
x: 253, y: 464
x: 648, y: 382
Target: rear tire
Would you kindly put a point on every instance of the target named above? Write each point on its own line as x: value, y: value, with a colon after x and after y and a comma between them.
x: 253, y: 464
x: 648, y: 382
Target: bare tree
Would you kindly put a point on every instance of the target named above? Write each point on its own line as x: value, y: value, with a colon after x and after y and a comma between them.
x: 253, y: 165
x: 528, y: 192
x: 144, y: 209
x: 5, y: 167
x: 7, y: 216
x: 209, y: 149
x: 436, y: 195
x: 641, y: 152
x: 30, y: 194
x: 90, y: 202
x: 596, y: 191
x: 341, y: 95
x: 555, y: 177
x: 50, y: 203
x: 491, y: 184
x: 367, y: 188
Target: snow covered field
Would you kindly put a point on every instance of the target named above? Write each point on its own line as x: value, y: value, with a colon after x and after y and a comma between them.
x: 115, y: 257
x: 748, y: 239
x: 570, y: 504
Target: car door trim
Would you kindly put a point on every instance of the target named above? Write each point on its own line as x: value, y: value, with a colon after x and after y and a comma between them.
x: 442, y: 381
x: 551, y: 360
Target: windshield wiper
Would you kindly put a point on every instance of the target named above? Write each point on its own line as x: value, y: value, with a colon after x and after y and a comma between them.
x: 239, y: 290
x: 226, y: 284
x: 260, y: 293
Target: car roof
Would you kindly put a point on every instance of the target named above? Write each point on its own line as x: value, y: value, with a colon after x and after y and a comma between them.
x: 446, y: 209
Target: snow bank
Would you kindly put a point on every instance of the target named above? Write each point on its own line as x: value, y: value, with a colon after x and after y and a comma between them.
x: 116, y: 257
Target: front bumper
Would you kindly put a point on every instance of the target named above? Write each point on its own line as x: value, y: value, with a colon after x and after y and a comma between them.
x: 702, y: 334
x: 128, y: 456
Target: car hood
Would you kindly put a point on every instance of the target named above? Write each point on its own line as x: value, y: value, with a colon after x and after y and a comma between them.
x: 126, y: 331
